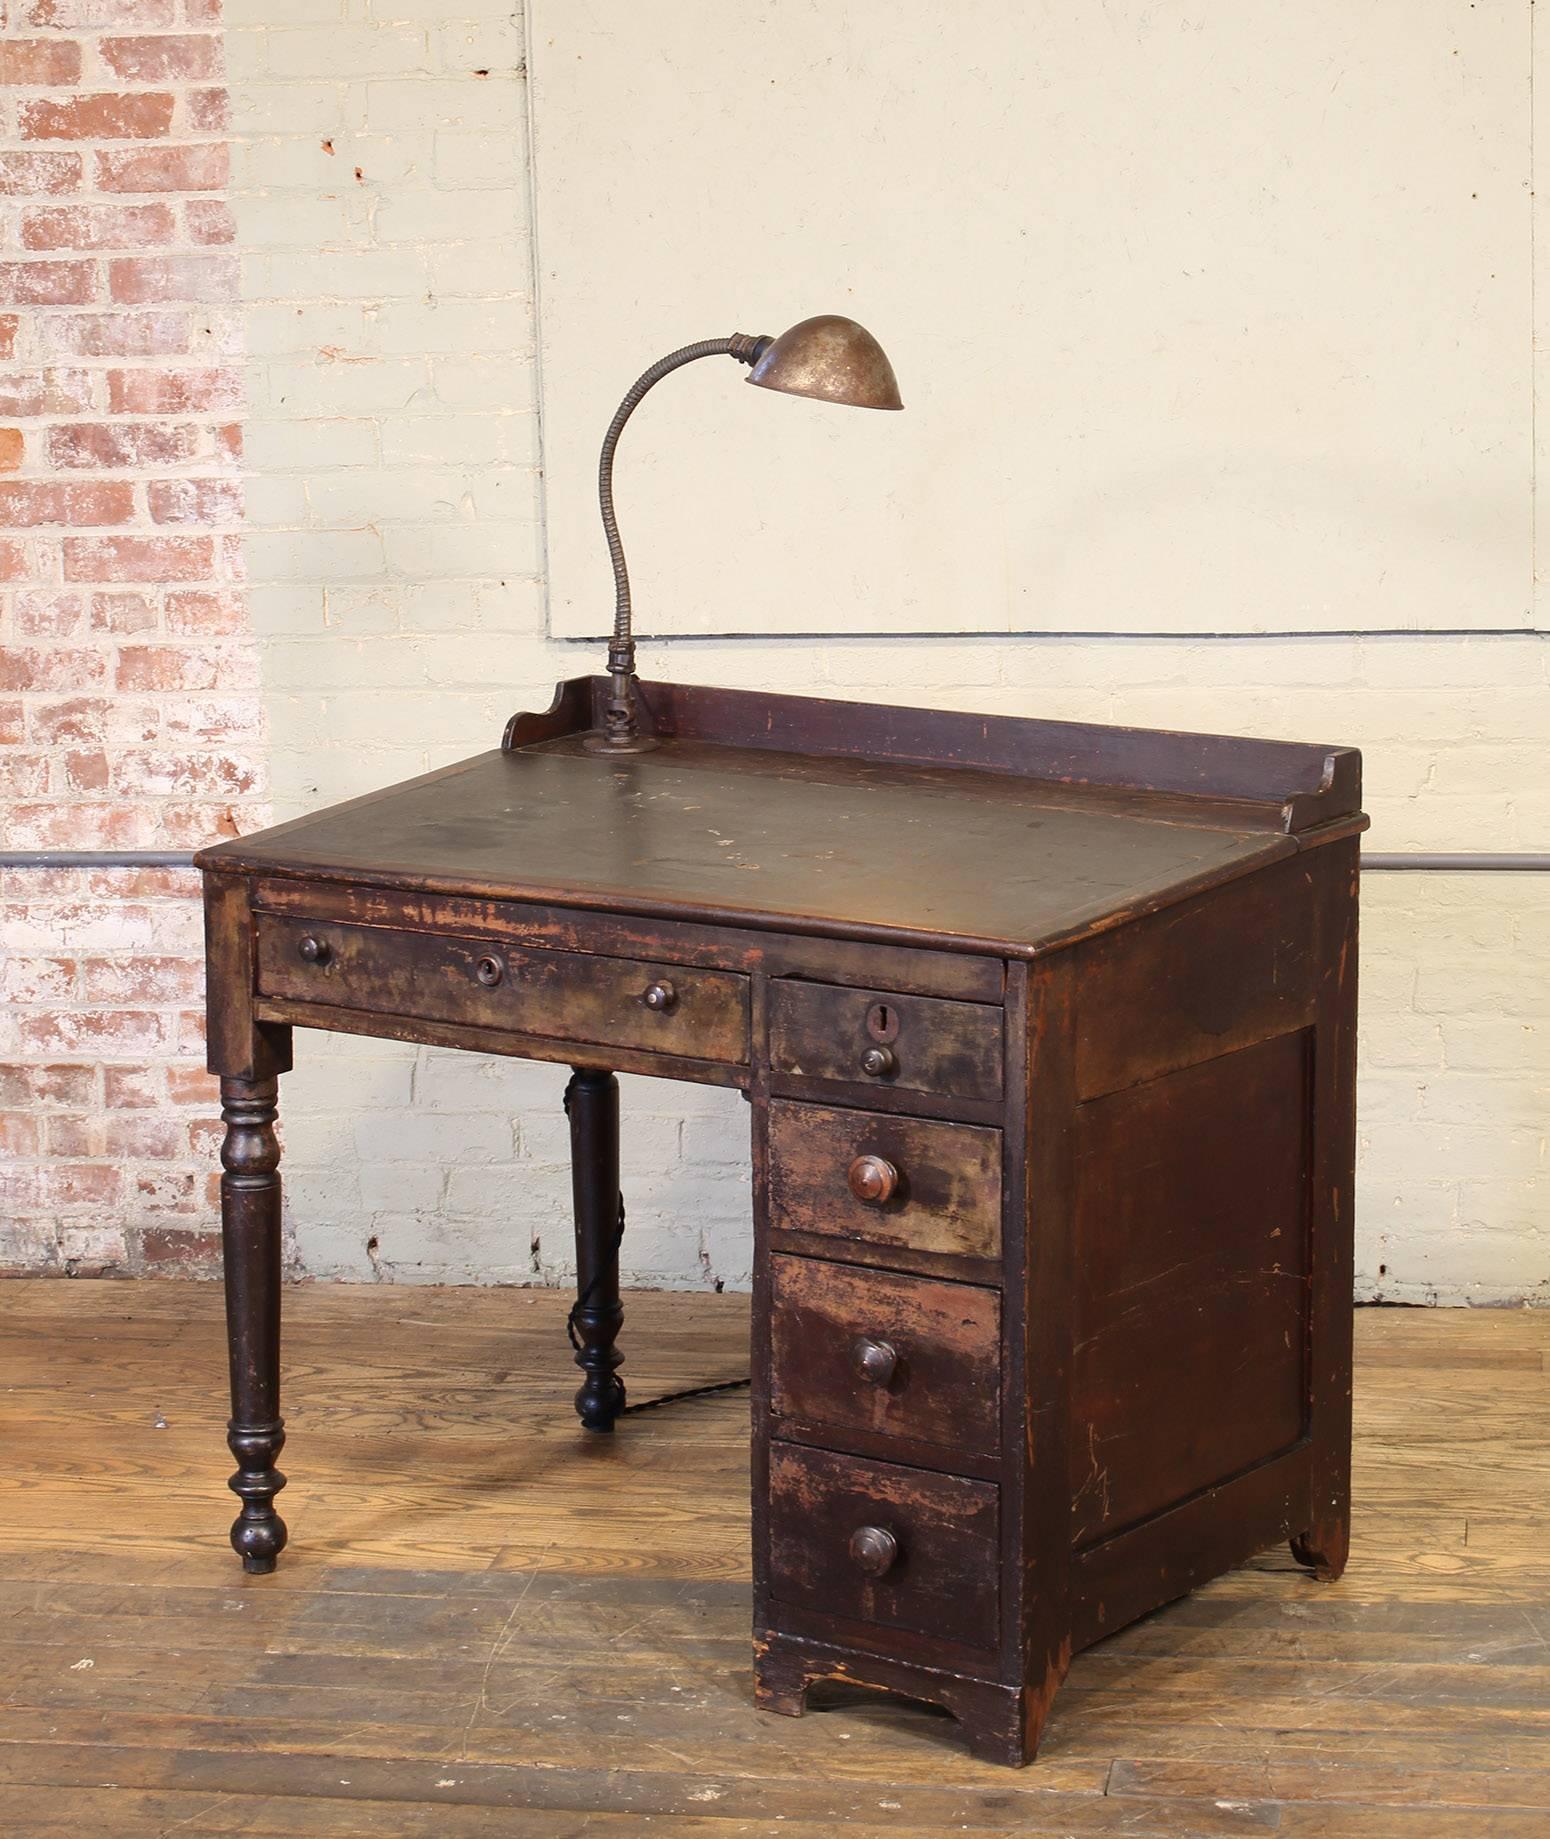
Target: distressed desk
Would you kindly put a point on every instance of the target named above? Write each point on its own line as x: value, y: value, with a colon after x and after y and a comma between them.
x: 1048, y: 1033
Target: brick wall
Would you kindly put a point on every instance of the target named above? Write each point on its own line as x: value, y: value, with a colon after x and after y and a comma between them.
x: 129, y: 714
x: 393, y: 542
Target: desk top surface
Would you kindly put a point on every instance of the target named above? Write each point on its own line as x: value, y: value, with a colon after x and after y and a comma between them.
x: 955, y: 853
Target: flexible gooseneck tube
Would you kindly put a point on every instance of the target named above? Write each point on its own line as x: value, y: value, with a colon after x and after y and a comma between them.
x: 621, y: 719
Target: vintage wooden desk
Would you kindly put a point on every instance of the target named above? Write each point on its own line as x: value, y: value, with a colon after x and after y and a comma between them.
x: 1048, y: 1032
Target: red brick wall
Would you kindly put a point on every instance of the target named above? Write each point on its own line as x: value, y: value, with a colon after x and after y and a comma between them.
x: 129, y: 715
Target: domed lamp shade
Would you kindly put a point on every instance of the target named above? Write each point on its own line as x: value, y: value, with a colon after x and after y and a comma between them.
x: 832, y: 360
x: 828, y: 359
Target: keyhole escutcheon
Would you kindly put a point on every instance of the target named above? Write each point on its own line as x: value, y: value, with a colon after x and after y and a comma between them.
x: 882, y: 1022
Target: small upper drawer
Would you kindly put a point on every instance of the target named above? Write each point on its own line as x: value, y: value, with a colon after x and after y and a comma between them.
x: 870, y: 1178
x: 560, y: 995
x: 922, y: 1043
x: 877, y: 1542
x: 875, y: 1351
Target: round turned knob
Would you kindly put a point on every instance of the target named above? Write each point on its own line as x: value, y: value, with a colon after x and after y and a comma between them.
x: 873, y: 1179
x: 660, y: 996
x: 314, y: 951
x: 879, y: 1062
x: 874, y: 1549
x: 489, y: 971
x: 875, y: 1361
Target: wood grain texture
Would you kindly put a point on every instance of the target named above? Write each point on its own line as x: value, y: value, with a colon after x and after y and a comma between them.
x: 942, y: 1582
x: 620, y: 935
x: 818, y: 1031
x: 1332, y: 1196
x: 943, y: 1339
x: 1035, y: 1391
x: 479, y: 1040
x: 564, y: 995
x: 1201, y: 979
x: 877, y: 849
x: 484, y: 1597
x: 1080, y: 1263
x: 238, y: 1045
x: 1190, y: 1278
x: 948, y: 1199
x: 1294, y: 783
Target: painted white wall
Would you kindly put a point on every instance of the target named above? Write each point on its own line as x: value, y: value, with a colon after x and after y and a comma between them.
x: 1210, y: 315
x: 397, y: 590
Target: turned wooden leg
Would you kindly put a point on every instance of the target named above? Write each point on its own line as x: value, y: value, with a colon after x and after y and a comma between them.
x: 250, y: 1231
x: 592, y: 1103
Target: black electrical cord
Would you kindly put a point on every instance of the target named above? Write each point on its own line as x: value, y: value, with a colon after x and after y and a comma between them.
x: 667, y: 1398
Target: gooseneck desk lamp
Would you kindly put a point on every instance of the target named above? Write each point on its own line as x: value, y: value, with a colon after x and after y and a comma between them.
x: 828, y: 358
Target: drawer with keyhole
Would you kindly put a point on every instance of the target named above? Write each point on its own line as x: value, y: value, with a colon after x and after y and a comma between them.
x: 873, y: 1037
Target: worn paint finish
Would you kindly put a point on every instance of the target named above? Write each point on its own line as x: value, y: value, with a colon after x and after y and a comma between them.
x: 1051, y: 1316
x: 819, y: 1032
x: 974, y: 833
x: 570, y: 996
x: 939, y: 1380
x: 943, y: 1582
x: 947, y: 1201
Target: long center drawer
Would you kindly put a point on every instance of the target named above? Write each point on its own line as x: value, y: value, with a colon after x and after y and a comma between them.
x: 558, y: 995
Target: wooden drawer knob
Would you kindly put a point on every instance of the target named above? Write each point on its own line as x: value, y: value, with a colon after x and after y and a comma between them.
x: 314, y: 951
x: 489, y: 972
x: 874, y: 1549
x: 879, y: 1062
x: 660, y: 997
x: 873, y: 1179
x: 874, y: 1361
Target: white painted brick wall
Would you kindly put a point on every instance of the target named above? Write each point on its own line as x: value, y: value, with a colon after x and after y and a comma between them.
x: 394, y: 557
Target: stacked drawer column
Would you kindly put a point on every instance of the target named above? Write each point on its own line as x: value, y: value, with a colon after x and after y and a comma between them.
x: 889, y: 1453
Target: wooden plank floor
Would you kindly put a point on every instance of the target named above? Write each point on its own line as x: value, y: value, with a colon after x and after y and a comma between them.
x: 489, y: 1624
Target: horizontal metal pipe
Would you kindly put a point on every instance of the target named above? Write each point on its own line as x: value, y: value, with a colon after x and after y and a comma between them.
x: 1485, y: 862
x: 1373, y: 861
x: 96, y: 858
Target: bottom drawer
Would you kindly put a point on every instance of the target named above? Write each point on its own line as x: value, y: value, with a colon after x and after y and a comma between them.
x: 877, y: 1542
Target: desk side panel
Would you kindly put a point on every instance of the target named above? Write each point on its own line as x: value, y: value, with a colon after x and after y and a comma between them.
x: 1211, y: 1292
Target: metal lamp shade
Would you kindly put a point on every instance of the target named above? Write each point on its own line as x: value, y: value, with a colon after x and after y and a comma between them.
x: 830, y: 359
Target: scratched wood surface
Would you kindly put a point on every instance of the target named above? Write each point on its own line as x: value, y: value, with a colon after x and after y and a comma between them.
x: 488, y: 1624
x: 738, y: 833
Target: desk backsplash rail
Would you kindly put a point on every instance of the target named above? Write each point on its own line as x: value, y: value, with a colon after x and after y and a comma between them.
x: 1294, y: 785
